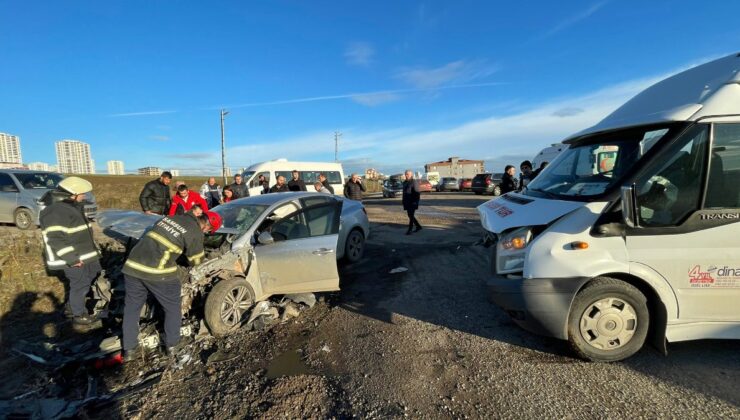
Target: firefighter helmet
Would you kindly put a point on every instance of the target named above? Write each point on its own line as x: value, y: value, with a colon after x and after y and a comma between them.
x: 75, y: 185
x: 215, y: 220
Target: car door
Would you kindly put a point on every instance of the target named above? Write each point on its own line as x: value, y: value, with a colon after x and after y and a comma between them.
x: 690, y: 223
x: 8, y: 198
x: 302, y: 257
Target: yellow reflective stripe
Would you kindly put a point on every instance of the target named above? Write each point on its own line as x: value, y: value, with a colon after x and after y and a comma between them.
x: 163, y: 261
x: 151, y: 270
x: 65, y: 250
x: 196, y: 256
x: 64, y: 229
x: 83, y: 257
x: 164, y: 241
x: 57, y: 263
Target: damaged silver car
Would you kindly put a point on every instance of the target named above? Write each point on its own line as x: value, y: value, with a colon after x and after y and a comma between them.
x: 268, y: 245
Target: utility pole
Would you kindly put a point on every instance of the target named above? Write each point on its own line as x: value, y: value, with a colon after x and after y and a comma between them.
x: 223, y: 145
x: 337, y: 135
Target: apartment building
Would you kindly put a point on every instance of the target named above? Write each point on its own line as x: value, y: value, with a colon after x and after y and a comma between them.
x: 149, y: 171
x: 115, y: 167
x: 10, y: 148
x: 74, y: 157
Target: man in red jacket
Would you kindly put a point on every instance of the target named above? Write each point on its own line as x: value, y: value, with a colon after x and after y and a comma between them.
x: 185, y: 199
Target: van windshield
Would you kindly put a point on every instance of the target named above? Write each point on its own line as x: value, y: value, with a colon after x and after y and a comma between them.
x: 592, y: 165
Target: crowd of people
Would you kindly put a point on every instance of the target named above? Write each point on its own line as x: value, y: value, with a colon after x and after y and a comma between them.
x: 509, y: 181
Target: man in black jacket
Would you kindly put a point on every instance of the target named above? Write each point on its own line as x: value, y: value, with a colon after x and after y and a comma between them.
x: 508, y: 181
x: 410, y: 200
x: 239, y: 188
x: 353, y: 189
x: 152, y: 267
x: 296, y: 184
x: 325, y: 183
x: 279, y: 186
x: 155, y: 197
x: 69, y: 244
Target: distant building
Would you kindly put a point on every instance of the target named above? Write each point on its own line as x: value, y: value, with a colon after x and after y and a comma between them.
x: 456, y: 167
x: 73, y: 157
x: 371, y: 174
x: 149, y: 171
x: 12, y: 165
x: 115, y: 167
x: 175, y: 172
x: 39, y: 166
x: 10, y: 148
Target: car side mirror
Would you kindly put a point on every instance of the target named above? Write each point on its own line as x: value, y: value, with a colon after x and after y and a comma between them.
x: 629, y: 206
x: 265, y: 238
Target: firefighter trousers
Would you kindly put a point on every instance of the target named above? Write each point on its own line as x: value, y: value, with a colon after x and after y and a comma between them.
x: 80, y: 279
x: 167, y: 293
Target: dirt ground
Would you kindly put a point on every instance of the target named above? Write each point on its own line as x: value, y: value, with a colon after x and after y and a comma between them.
x: 422, y: 343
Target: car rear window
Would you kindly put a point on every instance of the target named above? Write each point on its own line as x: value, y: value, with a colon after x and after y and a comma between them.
x: 481, y: 177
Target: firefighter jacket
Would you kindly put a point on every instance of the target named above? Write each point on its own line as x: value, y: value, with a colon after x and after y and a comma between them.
x: 182, y: 206
x: 67, y: 235
x: 155, y: 197
x: 155, y: 256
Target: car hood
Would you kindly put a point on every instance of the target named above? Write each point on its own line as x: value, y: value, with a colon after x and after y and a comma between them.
x: 516, y: 210
x: 127, y: 223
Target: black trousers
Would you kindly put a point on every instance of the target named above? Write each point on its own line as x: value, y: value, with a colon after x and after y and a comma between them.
x: 80, y: 279
x: 412, y: 219
x: 167, y: 293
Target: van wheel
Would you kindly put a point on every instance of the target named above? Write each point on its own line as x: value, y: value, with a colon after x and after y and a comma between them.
x: 227, y: 305
x: 608, y: 320
x: 354, y: 247
x: 23, y: 218
x: 496, y: 191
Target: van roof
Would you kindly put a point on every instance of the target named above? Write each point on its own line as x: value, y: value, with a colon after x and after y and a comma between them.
x: 291, y: 165
x: 710, y: 89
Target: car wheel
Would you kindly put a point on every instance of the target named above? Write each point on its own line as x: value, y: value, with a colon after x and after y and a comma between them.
x: 227, y: 306
x: 608, y: 320
x: 354, y: 247
x: 496, y: 191
x: 23, y: 218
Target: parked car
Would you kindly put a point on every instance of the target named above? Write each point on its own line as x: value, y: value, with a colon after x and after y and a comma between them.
x: 448, y: 184
x: 425, y: 186
x: 466, y: 184
x: 269, y: 244
x: 487, y: 184
x: 21, y: 191
x: 391, y: 188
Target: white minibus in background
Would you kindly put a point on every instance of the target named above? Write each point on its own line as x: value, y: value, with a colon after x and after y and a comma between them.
x: 309, y: 172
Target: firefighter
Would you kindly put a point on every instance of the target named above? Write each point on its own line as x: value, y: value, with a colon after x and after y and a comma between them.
x: 152, y: 268
x: 69, y: 244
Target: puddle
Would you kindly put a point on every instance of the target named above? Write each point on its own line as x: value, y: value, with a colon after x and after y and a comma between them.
x: 289, y: 363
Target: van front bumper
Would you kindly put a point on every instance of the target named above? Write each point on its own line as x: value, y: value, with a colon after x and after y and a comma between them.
x: 537, y: 305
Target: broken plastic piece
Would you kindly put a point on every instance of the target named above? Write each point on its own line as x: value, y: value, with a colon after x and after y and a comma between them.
x: 305, y: 298
x: 398, y: 270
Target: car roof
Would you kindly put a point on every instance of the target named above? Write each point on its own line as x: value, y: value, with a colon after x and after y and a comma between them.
x: 270, y: 199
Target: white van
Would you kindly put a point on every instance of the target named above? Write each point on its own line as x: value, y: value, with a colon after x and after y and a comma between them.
x: 633, y: 232
x: 309, y: 174
x: 548, y: 154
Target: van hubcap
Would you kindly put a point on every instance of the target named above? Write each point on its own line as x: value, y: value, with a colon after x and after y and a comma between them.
x: 608, y: 323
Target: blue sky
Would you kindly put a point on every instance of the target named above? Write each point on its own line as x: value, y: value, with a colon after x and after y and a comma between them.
x: 405, y: 82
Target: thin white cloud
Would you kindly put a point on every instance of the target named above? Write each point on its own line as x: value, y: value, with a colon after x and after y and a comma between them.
x: 572, y: 20
x: 376, y: 99
x: 359, y: 54
x: 460, y: 71
x: 137, y: 114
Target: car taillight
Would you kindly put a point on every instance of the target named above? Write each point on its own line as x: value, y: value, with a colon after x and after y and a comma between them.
x: 488, y: 181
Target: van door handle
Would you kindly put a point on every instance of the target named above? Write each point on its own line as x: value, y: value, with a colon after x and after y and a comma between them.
x: 323, y: 251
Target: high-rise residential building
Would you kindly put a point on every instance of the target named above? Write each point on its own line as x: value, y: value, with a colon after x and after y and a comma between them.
x: 149, y: 171
x: 115, y: 167
x: 10, y: 148
x: 175, y: 172
x: 73, y: 157
x: 39, y: 166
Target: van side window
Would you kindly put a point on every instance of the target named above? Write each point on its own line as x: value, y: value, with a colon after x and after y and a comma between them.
x: 7, y: 184
x: 670, y: 191
x: 256, y: 180
x: 723, y: 190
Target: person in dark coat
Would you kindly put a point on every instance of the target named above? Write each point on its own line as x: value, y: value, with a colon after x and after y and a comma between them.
x: 239, y: 188
x: 410, y: 200
x: 527, y: 175
x: 296, y: 184
x: 211, y: 192
x: 325, y: 183
x: 353, y: 189
x: 280, y: 186
x: 508, y: 181
x: 155, y: 197
x: 264, y: 184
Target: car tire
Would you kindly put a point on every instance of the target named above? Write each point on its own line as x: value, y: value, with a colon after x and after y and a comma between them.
x: 608, y: 320
x: 478, y: 192
x: 354, y: 247
x: 227, y: 305
x: 23, y: 218
x: 496, y: 191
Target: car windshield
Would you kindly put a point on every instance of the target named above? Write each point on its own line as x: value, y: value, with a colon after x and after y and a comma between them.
x: 41, y: 180
x: 238, y: 215
x: 593, y: 165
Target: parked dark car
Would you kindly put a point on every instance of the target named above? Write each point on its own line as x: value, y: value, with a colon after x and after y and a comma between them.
x: 487, y: 184
x: 466, y: 184
x: 392, y: 188
x: 425, y: 186
x: 448, y: 184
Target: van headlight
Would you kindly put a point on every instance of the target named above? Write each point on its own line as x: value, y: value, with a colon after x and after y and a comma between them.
x: 511, y: 250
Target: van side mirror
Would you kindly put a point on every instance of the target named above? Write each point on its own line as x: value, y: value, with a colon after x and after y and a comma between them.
x: 265, y: 238
x: 629, y: 206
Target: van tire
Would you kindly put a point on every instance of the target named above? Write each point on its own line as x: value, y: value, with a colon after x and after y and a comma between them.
x: 608, y: 304
x: 23, y: 218
x: 227, y: 306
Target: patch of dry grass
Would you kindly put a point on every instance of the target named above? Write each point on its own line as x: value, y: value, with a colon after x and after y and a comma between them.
x: 122, y: 191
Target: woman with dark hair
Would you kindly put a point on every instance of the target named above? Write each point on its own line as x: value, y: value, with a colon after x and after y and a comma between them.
x: 508, y: 181
x: 228, y: 194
